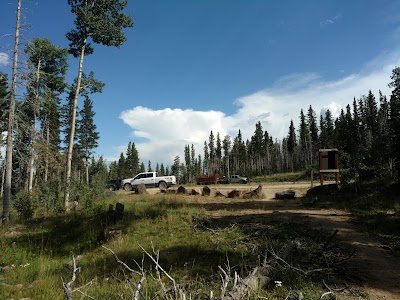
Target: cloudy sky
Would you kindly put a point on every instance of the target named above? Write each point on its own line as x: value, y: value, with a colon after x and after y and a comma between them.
x: 190, y: 67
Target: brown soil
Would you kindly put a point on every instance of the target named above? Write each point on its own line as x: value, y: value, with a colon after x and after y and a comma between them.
x: 376, y: 264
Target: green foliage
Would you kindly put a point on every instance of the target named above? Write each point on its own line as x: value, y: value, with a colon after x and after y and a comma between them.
x: 102, y: 21
x: 25, y: 204
x: 50, y: 197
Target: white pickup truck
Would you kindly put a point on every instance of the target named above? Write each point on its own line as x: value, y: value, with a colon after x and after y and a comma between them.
x: 150, y: 179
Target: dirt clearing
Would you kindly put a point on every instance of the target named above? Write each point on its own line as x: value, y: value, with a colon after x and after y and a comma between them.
x: 376, y: 266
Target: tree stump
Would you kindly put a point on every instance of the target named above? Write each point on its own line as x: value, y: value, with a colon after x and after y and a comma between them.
x: 119, y: 212
x: 255, y: 192
x: 195, y: 192
x: 206, y: 191
x: 234, y: 194
x: 219, y: 194
x: 181, y: 190
x: 141, y: 189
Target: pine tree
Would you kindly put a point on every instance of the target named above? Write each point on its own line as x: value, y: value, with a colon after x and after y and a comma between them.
x: 304, y: 139
x: 102, y: 22
x: 162, y: 170
x: 206, y: 159
x: 193, y: 161
x: 291, y: 145
x: 142, y: 168
x: 122, y: 172
x: 189, y: 166
x: 218, y: 153
x: 329, y: 129
x: 313, y: 130
x: 211, y: 147
x: 382, y: 145
x: 149, y: 169
x: 394, y: 113
x: 86, y: 133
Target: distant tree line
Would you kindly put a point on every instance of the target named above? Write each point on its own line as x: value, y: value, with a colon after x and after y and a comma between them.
x: 365, y: 132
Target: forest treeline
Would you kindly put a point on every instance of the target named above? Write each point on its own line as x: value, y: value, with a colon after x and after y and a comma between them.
x: 366, y: 133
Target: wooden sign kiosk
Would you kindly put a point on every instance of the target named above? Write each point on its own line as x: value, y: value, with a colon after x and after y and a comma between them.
x: 328, y: 163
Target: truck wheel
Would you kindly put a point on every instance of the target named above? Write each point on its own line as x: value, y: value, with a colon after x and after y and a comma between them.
x: 111, y: 188
x: 162, y: 185
x: 127, y: 187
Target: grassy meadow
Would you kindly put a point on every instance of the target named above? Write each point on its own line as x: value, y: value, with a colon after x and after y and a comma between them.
x: 199, y: 242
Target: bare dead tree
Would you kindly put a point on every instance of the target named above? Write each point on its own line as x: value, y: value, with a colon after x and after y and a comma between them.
x: 124, y: 267
x: 68, y: 286
x: 9, y: 147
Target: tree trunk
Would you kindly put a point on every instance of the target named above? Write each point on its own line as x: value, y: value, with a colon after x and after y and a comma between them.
x: 72, y: 132
x: 87, y: 166
x: 3, y: 173
x: 9, y: 147
x: 46, y: 159
x: 33, y: 135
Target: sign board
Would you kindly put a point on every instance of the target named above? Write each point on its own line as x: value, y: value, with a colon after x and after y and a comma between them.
x: 328, y: 163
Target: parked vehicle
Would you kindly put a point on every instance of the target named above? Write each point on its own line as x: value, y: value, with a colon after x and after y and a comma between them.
x: 149, y: 179
x: 207, y: 179
x: 238, y: 179
x: 114, y: 184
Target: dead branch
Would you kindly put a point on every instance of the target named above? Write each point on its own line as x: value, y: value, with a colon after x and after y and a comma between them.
x: 124, y: 266
x: 84, y: 293
x: 325, y: 294
x: 157, y: 264
x: 67, y: 286
x: 277, y: 258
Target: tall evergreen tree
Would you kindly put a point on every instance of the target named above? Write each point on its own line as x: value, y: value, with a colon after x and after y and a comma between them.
x: 206, y: 160
x: 86, y: 133
x: 102, y: 22
x: 162, y: 170
x: 304, y: 139
x: 313, y: 131
x: 291, y: 143
x: 394, y: 113
x: 188, y: 164
x: 382, y: 144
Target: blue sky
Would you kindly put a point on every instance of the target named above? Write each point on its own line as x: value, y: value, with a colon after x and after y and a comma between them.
x: 189, y: 67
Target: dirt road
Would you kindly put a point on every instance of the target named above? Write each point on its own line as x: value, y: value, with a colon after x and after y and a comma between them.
x: 380, y: 269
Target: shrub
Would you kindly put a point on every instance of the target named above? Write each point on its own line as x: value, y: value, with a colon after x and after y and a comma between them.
x: 26, y: 203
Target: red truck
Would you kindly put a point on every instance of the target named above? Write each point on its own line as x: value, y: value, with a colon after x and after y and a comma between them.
x: 208, y: 179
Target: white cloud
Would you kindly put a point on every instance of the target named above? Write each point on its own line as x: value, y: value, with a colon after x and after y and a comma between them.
x: 4, y: 59
x: 165, y: 132
x: 334, y: 20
